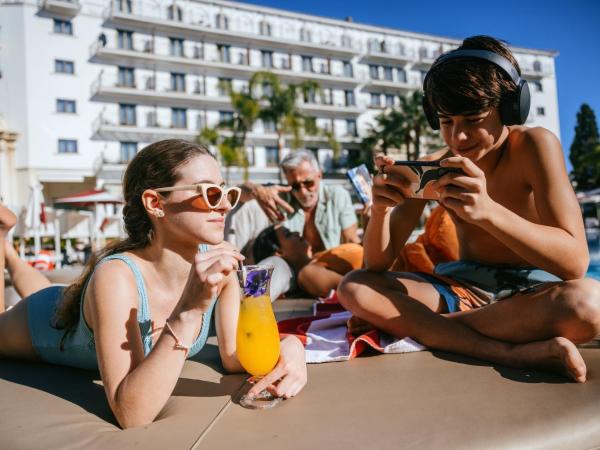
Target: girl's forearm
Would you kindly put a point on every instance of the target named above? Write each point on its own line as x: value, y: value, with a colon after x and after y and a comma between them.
x: 144, y: 391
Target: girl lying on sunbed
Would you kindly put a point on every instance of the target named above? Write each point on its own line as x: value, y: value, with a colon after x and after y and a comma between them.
x: 145, y: 304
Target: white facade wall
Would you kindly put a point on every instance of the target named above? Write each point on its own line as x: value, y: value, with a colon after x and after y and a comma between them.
x: 29, y: 86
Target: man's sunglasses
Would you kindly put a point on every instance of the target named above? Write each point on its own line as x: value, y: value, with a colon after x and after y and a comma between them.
x: 308, y: 184
x: 211, y: 193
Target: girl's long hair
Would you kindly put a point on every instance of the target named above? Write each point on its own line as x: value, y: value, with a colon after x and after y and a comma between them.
x: 154, y: 166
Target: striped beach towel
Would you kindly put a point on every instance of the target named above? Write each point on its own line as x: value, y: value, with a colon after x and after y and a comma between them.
x: 326, y: 338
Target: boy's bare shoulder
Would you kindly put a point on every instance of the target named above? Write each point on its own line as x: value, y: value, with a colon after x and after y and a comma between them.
x: 536, y: 142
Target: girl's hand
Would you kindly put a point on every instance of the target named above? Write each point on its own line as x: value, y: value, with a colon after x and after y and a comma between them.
x: 289, y: 375
x: 389, y: 187
x: 464, y: 194
x: 207, y: 274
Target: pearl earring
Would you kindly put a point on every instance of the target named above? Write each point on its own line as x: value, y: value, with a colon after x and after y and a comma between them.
x: 160, y: 214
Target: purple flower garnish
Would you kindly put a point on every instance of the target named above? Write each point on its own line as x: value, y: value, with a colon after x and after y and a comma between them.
x: 256, y: 283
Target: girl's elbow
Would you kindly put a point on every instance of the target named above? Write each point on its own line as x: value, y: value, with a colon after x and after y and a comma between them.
x: 131, y: 419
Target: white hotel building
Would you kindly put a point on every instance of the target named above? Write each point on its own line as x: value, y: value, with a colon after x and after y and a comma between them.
x: 84, y: 84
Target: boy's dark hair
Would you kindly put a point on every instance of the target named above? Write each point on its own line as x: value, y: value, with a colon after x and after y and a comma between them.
x: 470, y: 85
x: 265, y: 244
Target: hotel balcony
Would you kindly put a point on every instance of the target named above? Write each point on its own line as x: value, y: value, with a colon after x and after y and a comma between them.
x: 140, y: 16
x: 105, y: 128
x: 63, y: 7
x: 155, y: 56
x: 379, y: 57
x: 385, y: 86
x: 535, y: 70
x: 107, y: 88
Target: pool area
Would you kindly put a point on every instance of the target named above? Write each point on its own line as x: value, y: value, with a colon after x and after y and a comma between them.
x: 594, y: 246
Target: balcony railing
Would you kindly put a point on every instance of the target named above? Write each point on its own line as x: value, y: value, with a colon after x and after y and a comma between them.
x: 147, y: 16
x: 64, y: 7
x: 159, y: 55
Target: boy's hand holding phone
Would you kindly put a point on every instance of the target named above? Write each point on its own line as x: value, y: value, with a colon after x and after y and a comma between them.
x: 464, y: 193
x: 389, y: 187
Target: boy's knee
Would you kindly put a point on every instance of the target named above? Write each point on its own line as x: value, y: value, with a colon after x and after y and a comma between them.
x: 348, y: 291
x: 582, y: 298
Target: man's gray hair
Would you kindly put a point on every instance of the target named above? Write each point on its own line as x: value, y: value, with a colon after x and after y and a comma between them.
x: 295, y: 158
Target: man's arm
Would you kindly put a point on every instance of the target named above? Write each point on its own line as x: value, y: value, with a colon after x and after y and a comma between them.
x: 350, y: 234
x: 557, y: 243
x: 268, y: 198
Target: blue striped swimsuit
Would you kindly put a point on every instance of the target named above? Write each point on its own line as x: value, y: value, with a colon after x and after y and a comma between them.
x: 79, y: 348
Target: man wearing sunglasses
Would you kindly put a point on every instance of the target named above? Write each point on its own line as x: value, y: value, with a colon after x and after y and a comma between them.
x: 322, y: 214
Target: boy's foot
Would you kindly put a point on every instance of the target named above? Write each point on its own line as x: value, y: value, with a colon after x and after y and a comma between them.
x: 556, y: 355
x: 7, y: 219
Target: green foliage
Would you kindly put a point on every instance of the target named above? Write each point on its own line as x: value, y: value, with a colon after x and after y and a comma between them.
x: 584, y: 153
x: 402, y: 127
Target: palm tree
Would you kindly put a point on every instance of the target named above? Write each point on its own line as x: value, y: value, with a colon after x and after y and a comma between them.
x: 279, y: 106
x: 232, y: 148
x: 405, y: 126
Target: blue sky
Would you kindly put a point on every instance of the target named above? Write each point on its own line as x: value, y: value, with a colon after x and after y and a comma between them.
x: 570, y: 27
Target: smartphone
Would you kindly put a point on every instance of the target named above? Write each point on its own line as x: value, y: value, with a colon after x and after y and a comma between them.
x: 361, y: 182
x: 421, y: 175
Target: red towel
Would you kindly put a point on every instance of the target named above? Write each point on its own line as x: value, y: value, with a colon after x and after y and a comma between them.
x: 326, y: 338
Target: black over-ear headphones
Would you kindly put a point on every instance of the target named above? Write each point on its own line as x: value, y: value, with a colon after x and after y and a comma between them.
x: 513, y: 109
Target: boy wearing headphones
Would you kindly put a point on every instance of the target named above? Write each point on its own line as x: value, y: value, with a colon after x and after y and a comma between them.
x: 517, y: 296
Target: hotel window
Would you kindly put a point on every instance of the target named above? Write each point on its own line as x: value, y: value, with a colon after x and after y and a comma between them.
x: 309, y: 96
x: 305, y: 35
x: 127, y: 115
x: 272, y: 154
x: 151, y: 119
x: 174, y: 12
x: 388, y: 74
x: 268, y: 126
x: 541, y: 111
x: 125, y: 39
x: 348, y: 71
x: 375, y: 100
x: 224, y: 53
x: 62, y: 66
x: 128, y: 151
x: 265, y: 28
x: 225, y: 118
x: 401, y: 49
x: 199, y: 87
x: 200, y: 124
x: 178, y: 118
x: 537, y: 66
x: 267, y: 59
x: 66, y: 106
x: 63, y: 26
x: 124, y: 6
x: 346, y: 41
x: 423, y: 53
x: 389, y: 101
x: 176, y: 47
x: 151, y: 83
x: 222, y: 21
x: 267, y: 89
x: 401, y: 75
x: 351, y: 128
x: 224, y: 86
x: 374, y: 72
x: 126, y: 77
x: 373, y: 45
x: 307, y: 64
x: 178, y: 82
x: 199, y: 52
x: 537, y: 86
x: 350, y: 101
x: 423, y: 75
x: 67, y: 146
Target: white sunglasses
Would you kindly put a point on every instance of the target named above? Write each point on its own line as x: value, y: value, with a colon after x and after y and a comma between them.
x: 211, y: 193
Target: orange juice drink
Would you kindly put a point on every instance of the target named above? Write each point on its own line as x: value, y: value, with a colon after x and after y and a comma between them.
x: 257, y: 335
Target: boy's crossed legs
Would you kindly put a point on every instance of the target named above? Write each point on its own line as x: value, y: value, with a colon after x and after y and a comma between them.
x: 533, y: 330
